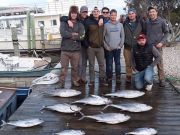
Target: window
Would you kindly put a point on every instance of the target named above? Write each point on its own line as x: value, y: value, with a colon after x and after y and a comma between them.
x: 40, y: 23
x: 53, y: 22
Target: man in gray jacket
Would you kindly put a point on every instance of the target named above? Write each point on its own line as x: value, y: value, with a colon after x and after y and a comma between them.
x: 157, y: 33
x: 113, y: 42
x: 71, y: 45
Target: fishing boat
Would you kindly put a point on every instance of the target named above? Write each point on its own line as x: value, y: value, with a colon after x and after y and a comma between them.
x: 15, y: 66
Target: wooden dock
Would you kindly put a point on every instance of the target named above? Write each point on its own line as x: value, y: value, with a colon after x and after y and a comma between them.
x: 165, y: 116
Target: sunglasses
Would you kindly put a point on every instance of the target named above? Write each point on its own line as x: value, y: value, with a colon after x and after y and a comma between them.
x: 105, y: 12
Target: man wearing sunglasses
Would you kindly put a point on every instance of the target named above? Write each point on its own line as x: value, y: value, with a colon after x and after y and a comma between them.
x: 106, y: 14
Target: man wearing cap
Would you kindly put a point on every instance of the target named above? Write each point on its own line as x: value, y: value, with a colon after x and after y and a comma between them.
x: 143, y: 63
x: 157, y: 33
x: 71, y: 46
x: 96, y: 50
x: 133, y: 26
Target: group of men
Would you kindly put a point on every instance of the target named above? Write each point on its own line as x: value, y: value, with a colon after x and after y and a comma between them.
x: 102, y: 37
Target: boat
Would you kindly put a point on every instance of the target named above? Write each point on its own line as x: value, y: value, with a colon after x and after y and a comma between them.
x: 15, y: 66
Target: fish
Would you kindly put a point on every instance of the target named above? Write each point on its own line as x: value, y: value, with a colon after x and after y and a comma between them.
x: 71, y: 132
x: 126, y: 94
x: 64, y: 93
x: 109, y: 118
x: 63, y: 108
x: 143, y: 131
x: 48, y: 78
x: 24, y: 123
x: 131, y: 107
x: 94, y: 100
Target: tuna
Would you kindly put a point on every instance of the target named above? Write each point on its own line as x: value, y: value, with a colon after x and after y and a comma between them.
x: 143, y: 131
x: 126, y: 94
x: 131, y: 107
x: 24, y: 123
x: 64, y: 108
x: 109, y: 118
x: 64, y: 93
x: 94, y: 100
x: 71, y: 132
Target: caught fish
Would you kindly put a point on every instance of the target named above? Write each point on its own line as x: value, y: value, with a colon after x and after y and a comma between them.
x: 143, y: 131
x: 94, y: 100
x: 49, y: 78
x: 131, y: 107
x: 64, y: 108
x: 71, y: 132
x: 64, y: 93
x: 109, y: 118
x: 24, y: 123
x: 126, y: 94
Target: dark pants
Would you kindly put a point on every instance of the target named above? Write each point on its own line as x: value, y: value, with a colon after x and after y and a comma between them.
x: 110, y: 55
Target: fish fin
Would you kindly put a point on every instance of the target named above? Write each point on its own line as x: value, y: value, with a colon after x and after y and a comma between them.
x: 106, y: 107
x: 43, y: 108
x: 101, y: 112
x: 3, y: 123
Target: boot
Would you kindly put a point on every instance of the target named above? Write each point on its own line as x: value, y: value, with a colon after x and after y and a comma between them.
x: 118, y: 79
x: 128, y: 79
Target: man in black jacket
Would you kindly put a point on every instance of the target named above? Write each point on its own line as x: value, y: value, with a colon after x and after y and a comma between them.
x: 143, y: 63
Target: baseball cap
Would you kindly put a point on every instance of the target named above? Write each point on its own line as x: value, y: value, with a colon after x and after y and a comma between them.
x: 84, y: 8
x: 141, y: 36
x: 132, y: 10
x: 152, y: 7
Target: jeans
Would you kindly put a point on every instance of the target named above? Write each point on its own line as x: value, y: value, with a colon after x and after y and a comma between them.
x: 144, y: 77
x: 110, y: 55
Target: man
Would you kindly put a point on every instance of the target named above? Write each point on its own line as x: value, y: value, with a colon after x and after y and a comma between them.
x: 143, y: 64
x: 132, y: 28
x: 84, y: 44
x: 71, y: 45
x: 157, y: 33
x: 113, y: 42
x: 95, y: 50
x: 105, y: 13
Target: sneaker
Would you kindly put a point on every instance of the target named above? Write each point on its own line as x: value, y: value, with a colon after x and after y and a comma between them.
x: 76, y: 84
x: 162, y: 83
x: 149, y: 87
x: 118, y: 79
x: 128, y: 79
x: 91, y: 83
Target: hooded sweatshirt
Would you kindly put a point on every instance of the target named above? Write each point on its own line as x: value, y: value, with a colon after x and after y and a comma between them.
x: 113, y: 36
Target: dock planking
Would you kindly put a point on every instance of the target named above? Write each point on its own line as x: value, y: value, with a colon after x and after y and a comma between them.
x: 165, y: 116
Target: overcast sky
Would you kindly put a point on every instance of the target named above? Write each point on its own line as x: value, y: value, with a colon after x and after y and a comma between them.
x: 117, y: 4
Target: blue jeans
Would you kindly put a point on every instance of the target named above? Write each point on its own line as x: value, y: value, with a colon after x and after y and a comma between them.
x: 109, y: 62
x: 144, y: 77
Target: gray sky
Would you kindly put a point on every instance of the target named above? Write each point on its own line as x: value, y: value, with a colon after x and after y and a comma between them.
x: 117, y: 4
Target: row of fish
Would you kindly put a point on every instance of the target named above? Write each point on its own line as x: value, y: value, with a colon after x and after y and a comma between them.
x: 110, y: 118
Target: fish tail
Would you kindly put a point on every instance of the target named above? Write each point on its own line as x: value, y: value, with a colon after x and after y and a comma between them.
x: 82, y: 114
x: 3, y: 123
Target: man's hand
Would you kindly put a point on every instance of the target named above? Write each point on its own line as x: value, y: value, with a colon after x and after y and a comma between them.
x: 159, y: 45
x: 101, y: 22
x: 70, y: 24
x: 74, y: 34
